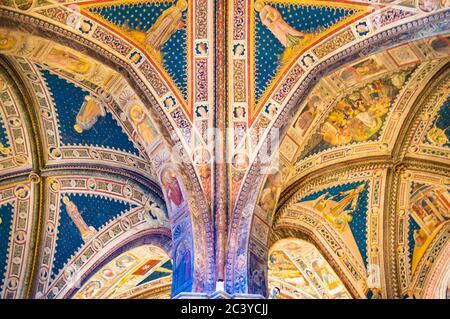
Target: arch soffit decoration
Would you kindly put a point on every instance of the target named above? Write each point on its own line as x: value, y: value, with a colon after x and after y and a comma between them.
x: 397, y: 33
x: 416, y: 274
x: 190, y: 184
x: 49, y: 174
x: 128, y: 224
x: 145, y: 85
x: 158, y: 237
x: 305, y: 234
x: 410, y: 95
x: 137, y: 167
x: 436, y: 284
x: 341, y: 254
x: 298, y: 87
x: 406, y: 165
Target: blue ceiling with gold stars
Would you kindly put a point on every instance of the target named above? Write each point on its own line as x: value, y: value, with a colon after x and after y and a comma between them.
x: 6, y: 216
x: 141, y: 16
x: 94, y: 105
x: 309, y: 19
x: 442, y: 123
x: 95, y: 211
x: 68, y: 100
x: 358, y: 222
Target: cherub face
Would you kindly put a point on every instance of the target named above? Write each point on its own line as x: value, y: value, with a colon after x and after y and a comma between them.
x: 361, y: 28
x: 202, y: 111
x: 239, y: 50
x: 169, y: 102
x: 239, y: 112
x: 135, y: 58
x: 272, y: 109
x: 429, y: 5
x: 309, y: 60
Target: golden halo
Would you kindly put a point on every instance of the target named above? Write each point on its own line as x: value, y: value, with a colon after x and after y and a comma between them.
x: 259, y: 4
x: 78, y: 128
x: 136, y: 113
x: 182, y: 4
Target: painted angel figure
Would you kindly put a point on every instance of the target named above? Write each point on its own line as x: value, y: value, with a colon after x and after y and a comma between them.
x: 88, y: 114
x: 272, y: 19
x: 144, y: 125
x: 87, y: 232
x: 166, y: 25
x: 169, y: 22
x: 350, y: 198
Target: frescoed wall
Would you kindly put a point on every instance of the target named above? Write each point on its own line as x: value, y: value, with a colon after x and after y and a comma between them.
x: 315, y: 153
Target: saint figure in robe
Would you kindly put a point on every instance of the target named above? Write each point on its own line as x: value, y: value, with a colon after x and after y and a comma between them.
x: 143, y: 124
x: 88, y: 114
x: 166, y: 25
x: 173, y: 190
x: 87, y: 232
x: 169, y: 22
x: 272, y: 19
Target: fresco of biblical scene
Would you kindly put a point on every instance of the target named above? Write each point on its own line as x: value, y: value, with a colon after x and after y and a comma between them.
x: 157, y: 27
x: 6, y: 216
x: 141, y: 272
x: 359, y: 115
x: 80, y: 218
x: 439, y: 133
x: 361, y: 70
x: 282, y: 30
x: 344, y: 207
x: 83, y: 119
x: 429, y: 210
x: 297, y: 270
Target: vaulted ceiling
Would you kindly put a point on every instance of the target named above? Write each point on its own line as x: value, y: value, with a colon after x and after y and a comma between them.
x: 230, y: 138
